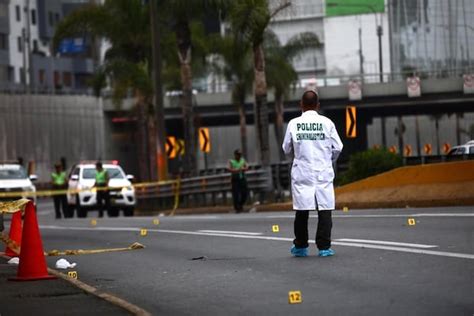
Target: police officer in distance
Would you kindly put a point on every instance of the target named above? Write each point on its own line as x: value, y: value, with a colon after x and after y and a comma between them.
x: 237, y: 168
x: 59, y: 182
x: 314, y: 141
x: 101, y: 183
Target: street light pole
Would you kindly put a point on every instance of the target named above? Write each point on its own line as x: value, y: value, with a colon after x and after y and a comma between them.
x: 379, y: 34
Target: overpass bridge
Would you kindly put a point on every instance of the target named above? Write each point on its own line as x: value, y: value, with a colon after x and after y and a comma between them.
x: 381, y: 104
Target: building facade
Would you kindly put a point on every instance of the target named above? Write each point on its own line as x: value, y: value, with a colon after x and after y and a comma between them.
x: 27, y: 63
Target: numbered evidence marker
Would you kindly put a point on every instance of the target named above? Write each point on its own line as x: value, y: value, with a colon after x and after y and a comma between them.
x: 411, y: 222
x: 143, y: 232
x: 345, y: 209
x: 294, y: 297
x: 156, y: 221
x: 93, y: 222
x: 275, y: 228
x: 72, y: 274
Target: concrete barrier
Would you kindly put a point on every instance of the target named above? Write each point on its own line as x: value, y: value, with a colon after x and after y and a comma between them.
x: 441, y: 184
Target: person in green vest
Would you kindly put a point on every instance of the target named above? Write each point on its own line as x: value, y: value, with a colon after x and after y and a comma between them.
x: 101, y: 182
x: 59, y: 182
x: 237, y: 168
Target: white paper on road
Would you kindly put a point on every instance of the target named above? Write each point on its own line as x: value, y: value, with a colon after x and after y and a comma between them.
x: 14, y: 260
x: 64, y: 264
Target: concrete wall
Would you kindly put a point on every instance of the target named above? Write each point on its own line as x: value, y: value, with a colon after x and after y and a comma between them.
x: 45, y: 128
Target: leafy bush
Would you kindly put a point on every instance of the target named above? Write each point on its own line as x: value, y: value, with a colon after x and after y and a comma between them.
x: 368, y: 163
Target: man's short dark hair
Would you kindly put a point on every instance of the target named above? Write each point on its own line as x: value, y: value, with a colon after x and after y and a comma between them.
x: 310, y: 99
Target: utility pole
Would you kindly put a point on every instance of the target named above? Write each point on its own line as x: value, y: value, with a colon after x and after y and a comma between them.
x: 158, y: 92
x: 361, y: 55
x: 379, y: 34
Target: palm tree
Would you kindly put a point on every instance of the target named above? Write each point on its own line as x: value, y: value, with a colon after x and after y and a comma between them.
x: 126, y: 26
x: 251, y: 18
x: 281, y: 74
x: 182, y: 13
x: 236, y: 67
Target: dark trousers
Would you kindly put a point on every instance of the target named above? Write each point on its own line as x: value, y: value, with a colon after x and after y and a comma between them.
x: 239, y: 193
x: 60, y: 202
x: 103, y: 201
x: 323, y: 233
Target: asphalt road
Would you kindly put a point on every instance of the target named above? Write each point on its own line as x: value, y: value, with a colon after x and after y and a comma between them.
x: 235, y: 264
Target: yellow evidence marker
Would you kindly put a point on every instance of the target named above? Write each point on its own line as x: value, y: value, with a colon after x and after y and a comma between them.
x: 345, y: 209
x: 294, y: 297
x: 411, y: 222
x: 156, y: 221
x: 275, y: 228
x: 72, y: 274
x: 93, y: 222
x: 143, y: 232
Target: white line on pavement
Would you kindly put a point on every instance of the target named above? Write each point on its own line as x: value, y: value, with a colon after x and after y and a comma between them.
x: 229, y: 232
x: 385, y: 215
x: 339, y: 243
x: 389, y: 243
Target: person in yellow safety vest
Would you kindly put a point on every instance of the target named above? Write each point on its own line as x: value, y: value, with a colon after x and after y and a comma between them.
x: 237, y: 168
x: 101, y: 182
x: 59, y: 182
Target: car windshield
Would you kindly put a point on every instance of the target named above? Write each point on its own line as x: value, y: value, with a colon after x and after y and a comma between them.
x: 12, y: 173
x: 114, y: 173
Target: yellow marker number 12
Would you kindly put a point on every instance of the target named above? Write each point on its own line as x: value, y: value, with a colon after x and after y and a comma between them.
x: 294, y: 297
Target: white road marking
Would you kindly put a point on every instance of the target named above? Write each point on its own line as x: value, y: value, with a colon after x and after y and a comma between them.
x: 339, y: 243
x: 229, y: 232
x: 385, y: 215
x: 389, y: 243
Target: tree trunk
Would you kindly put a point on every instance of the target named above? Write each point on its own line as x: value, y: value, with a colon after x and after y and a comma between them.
x: 261, y: 106
x: 243, y: 129
x: 142, y: 139
x: 279, y: 124
x: 161, y: 157
x: 152, y: 144
x: 183, y: 35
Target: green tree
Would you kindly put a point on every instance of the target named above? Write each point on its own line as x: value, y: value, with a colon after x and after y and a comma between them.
x: 125, y: 24
x: 236, y: 67
x: 281, y: 74
x: 181, y: 14
x: 251, y: 18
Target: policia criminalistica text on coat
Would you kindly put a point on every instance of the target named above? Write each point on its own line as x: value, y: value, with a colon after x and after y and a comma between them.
x: 315, y: 143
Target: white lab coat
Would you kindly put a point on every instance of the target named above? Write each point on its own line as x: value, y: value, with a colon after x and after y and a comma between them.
x: 314, y: 141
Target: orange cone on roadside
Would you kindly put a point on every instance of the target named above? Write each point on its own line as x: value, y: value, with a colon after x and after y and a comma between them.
x: 15, y: 234
x: 32, y: 263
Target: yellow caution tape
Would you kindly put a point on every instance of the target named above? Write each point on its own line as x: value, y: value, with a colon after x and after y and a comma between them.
x: 51, y: 253
x: 10, y: 243
x: 16, y: 248
x: 13, y: 206
x: 42, y: 193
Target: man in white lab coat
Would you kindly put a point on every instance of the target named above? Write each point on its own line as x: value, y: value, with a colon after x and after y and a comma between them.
x: 314, y: 141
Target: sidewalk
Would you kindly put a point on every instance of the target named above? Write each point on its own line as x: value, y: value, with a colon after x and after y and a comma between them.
x: 48, y: 297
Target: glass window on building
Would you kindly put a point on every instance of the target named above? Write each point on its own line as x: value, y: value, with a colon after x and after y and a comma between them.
x: 41, y: 76
x: 18, y: 13
x: 57, y: 79
x: 56, y: 17
x: 35, y: 46
x: 22, y: 75
x: 50, y: 18
x: 67, y: 79
x: 3, y: 10
x: 33, y: 17
x: 3, y: 41
x: 20, y: 43
x: 11, y: 73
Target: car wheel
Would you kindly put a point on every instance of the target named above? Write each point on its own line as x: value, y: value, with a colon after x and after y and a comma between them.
x: 128, y: 211
x: 114, y: 212
x: 81, y: 212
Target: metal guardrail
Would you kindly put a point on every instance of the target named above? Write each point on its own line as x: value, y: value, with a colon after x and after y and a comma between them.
x: 209, y: 190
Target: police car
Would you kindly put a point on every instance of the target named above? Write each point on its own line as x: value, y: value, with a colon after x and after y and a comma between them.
x: 466, y: 149
x: 15, y: 184
x: 82, y: 194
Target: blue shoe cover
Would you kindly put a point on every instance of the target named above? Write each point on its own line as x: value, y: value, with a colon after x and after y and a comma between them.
x: 299, y: 252
x: 326, y: 253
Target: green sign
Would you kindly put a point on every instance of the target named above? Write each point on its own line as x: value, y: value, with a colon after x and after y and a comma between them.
x: 353, y: 7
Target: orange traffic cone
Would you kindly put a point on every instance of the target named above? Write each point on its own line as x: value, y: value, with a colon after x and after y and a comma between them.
x: 15, y: 234
x: 32, y: 263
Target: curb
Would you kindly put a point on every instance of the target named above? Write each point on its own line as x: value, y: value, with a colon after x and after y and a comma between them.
x: 134, y: 309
